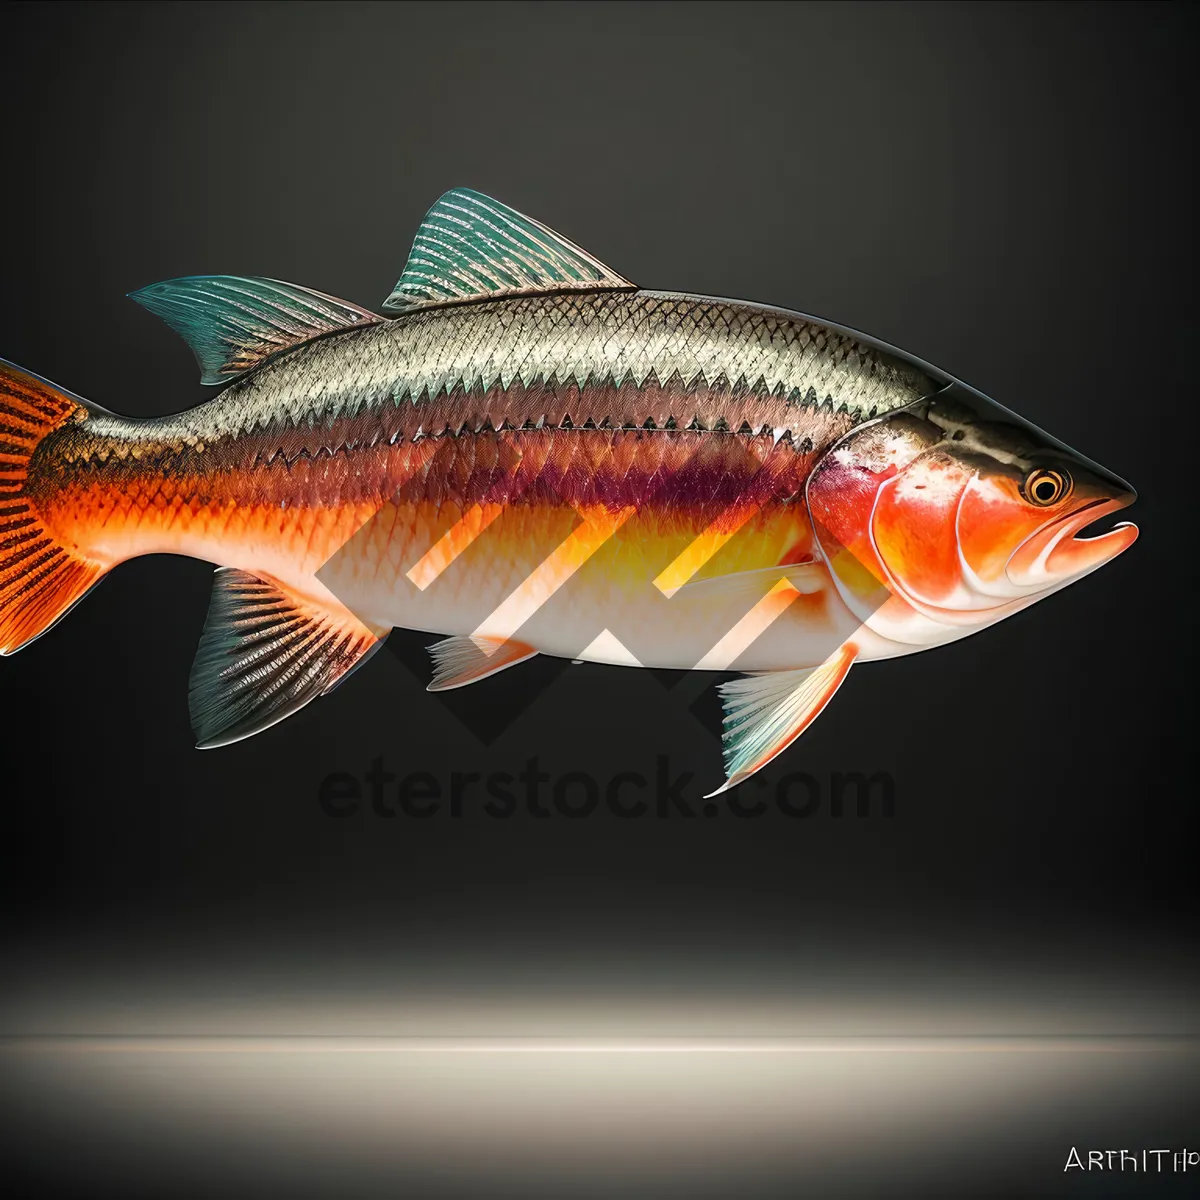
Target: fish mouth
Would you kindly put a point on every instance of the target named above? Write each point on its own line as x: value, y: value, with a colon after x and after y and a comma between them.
x: 1073, y: 544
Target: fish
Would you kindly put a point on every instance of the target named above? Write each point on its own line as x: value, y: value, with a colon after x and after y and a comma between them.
x: 526, y: 453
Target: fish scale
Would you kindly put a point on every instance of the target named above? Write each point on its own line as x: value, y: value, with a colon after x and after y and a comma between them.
x: 730, y: 367
x: 532, y: 455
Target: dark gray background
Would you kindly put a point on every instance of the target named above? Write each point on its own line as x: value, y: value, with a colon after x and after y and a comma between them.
x: 1005, y: 191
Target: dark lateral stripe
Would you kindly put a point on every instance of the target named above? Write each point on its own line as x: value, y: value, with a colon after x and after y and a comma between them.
x: 564, y: 408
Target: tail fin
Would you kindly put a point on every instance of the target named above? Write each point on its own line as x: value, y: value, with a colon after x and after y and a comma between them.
x: 40, y: 579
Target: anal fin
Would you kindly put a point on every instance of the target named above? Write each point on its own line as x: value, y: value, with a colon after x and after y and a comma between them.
x: 458, y: 661
x: 265, y: 653
x: 765, y: 713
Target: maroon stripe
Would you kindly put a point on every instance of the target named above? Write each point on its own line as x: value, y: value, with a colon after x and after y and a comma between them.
x: 609, y: 445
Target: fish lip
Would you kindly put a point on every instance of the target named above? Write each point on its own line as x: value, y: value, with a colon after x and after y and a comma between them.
x: 1120, y: 536
x: 1055, y: 540
x: 1107, y: 507
x: 1101, y: 508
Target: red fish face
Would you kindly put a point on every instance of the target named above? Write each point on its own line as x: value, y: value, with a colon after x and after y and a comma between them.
x: 954, y: 513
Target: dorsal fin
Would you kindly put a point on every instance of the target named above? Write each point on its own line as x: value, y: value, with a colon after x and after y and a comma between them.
x: 234, y: 324
x: 470, y: 247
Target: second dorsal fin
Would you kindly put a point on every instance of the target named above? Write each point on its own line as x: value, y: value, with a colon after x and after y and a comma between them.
x: 233, y: 324
x: 470, y: 247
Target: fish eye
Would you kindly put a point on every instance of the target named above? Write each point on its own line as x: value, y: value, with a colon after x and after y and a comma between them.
x: 1045, y: 487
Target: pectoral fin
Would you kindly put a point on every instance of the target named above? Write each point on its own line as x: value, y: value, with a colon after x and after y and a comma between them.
x: 806, y: 578
x: 265, y: 653
x: 461, y: 660
x: 765, y: 713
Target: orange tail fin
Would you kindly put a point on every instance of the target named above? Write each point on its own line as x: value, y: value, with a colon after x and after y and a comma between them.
x: 40, y: 579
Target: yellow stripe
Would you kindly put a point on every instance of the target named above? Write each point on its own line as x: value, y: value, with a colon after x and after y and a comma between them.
x: 599, y: 524
x: 700, y: 550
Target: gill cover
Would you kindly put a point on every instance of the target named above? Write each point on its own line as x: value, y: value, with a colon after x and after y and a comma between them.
x: 954, y: 513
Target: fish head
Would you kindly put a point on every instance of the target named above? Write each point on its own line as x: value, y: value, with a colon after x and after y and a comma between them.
x: 953, y: 513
